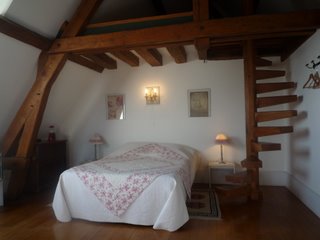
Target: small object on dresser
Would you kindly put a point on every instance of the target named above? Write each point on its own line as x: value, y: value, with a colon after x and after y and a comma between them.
x: 52, y: 134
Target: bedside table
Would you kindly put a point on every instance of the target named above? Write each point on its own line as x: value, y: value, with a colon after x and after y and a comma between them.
x: 217, y: 165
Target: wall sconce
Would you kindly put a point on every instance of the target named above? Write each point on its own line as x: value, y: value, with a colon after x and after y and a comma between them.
x: 152, y: 95
x: 221, y: 139
x: 96, y: 139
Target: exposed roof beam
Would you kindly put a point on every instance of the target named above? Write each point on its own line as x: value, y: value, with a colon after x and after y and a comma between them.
x: 81, y: 17
x: 85, y: 62
x: 126, y: 56
x: 27, y: 36
x: 241, y: 28
x: 200, y: 10
x: 248, y: 7
x: 151, y: 56
x: 201, y: 13
x: 178, y: 53
x: 202, y: 45
x: 103, y: 60
x: 23, y: 34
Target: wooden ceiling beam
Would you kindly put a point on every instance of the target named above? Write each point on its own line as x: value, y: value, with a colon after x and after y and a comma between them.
x: 151, y: 56
x: 127, y: 57
x: 23, y: 34
x: 248, y: 7
x: 178, y: 53
x: 103, y: 60
x: 201, y: 13
x: 83, y: 61
x: 200, y: 10
x: 240, y: 28
x: 202, y: 45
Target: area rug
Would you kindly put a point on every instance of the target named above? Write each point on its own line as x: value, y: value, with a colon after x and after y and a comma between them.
x: 204, y: 204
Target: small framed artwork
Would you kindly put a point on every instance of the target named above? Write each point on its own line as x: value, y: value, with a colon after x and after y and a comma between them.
x: 115, y: 107
x: 199, y: 102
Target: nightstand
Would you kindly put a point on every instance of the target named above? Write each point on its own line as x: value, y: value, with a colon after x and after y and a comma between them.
x: 212, y: 165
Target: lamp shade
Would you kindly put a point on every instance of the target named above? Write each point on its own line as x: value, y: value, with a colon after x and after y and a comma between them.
x: 96, y: 139
x: 221, y: 138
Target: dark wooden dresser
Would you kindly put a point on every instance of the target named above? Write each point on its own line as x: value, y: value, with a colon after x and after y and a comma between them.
x: 48, y: 162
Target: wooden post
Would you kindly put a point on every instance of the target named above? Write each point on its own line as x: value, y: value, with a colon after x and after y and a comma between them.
x: 252, y: 163
x: 201, y: 13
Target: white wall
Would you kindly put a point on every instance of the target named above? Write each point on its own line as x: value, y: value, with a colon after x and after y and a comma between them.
x: 303, y: 164
x: 18, y: 64
x: 77, y: 107
x: 83, y: 113
x: 42, y: 16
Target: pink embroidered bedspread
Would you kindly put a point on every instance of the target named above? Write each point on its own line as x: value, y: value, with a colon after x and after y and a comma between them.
x: 118, y: 180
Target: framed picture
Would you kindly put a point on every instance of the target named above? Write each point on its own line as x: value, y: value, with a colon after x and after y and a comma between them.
x: 199, y: 102
x: 115, y: 107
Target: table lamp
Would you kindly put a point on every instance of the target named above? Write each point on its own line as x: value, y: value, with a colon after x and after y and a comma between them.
x: 96, y: 139
x: 221, y: 139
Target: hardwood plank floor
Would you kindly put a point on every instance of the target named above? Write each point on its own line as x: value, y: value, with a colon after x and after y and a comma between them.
x: 279, y: 215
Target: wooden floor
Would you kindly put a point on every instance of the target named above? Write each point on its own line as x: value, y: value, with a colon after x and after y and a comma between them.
x: 280, y: 215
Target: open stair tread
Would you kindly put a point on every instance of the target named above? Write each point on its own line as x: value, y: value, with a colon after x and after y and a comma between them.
x: 261, y: 62
x: 268, y: 131
x: 275, y: 100
x: 271, y: 87
x: 274, y: 115
x: 266, y: 74
x: 266, y: 146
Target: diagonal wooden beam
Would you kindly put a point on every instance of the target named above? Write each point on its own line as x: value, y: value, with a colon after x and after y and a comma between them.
x: 43, y: 81
x: 28, y: 118
x: 76, y: 58
x: 23, y: 34
x: 178, y: 53
x: 103, y: 60
x: 151, y: 56
x: 126, y: 56
x: 240, y: 28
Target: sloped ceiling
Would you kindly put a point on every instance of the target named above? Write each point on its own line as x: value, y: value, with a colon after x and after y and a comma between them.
x: 45, y: 17
x: 117, y: 10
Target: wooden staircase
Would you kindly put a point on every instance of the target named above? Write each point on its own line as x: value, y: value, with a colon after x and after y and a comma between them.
x: 246, y: 183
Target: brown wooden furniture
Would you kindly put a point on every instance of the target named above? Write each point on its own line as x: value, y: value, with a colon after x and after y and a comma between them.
x: 48, y: 161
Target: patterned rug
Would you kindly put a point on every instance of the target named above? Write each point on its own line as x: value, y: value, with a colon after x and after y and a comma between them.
x: 204, y: 204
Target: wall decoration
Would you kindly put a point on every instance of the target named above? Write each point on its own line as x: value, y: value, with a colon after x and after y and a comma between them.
x: 115, y: 107
x: 152, y: 95
x: 314, y: 80
x: 199, y: 102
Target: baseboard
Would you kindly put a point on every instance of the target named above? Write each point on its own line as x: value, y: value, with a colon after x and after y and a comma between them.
x: 306, y: 195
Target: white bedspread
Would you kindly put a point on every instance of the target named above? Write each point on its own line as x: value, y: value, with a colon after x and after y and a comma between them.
x: 141, y: 183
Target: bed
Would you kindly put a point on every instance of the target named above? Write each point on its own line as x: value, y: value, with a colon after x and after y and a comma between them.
x: 140, y: 183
